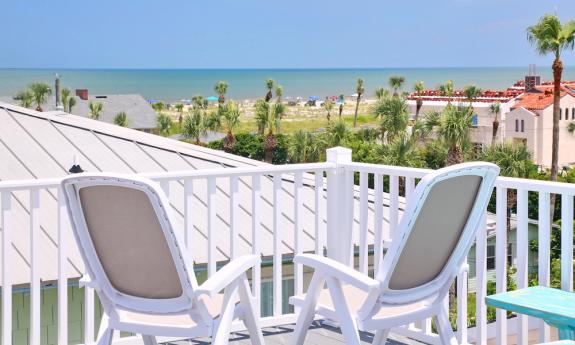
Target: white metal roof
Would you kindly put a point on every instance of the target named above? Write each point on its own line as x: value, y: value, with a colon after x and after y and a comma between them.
x: 36, y: 145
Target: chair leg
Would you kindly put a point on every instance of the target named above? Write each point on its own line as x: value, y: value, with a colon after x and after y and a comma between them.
x: 105, y: 333
x: 380, y: 337
x: 444, y: 327
x: 149, y: 340
x: 221, y: 332
x: 250, y: 313
x: 346, y: 321
x: 307, y: 311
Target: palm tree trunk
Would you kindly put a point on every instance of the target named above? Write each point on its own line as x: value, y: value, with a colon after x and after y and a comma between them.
x: 270, y: 143
x: 557, y: 71
x: 356, y: 108
x: 454, y: 155
x: 419, y: 104
x: 495, y: 128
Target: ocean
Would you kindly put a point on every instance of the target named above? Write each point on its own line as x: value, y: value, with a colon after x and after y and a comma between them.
x: 174, y: 84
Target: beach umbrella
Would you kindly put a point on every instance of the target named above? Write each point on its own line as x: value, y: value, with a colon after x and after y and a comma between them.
x: 212, y: 99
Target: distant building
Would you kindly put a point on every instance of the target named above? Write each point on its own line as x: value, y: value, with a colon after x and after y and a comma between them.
x: 141, y: 115
x: 530, y: 121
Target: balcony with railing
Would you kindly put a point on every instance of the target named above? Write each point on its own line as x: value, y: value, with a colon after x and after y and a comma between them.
x: 338, y: 208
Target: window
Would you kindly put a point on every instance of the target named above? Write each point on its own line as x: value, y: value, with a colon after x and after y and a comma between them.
x: 522, y: 126
x: 510, y: 255
x: 573, y: 114
x: 516, y: 125
x: 474, y: 120
x: 560, y: 113
x: 491, y: 257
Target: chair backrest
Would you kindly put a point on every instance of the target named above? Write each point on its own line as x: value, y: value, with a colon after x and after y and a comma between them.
x: 124, y: 232
x: 436, y: 231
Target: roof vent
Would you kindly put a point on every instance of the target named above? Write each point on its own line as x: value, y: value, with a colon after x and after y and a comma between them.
x: 76, y: 169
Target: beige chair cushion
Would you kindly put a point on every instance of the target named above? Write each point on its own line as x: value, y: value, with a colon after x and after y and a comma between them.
x: 355, y: 298
x: 129, y: 242
x: 436, y: 232
x: 214, y: 306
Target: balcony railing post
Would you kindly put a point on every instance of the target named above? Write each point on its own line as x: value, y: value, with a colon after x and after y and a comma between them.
x: 339, y: 206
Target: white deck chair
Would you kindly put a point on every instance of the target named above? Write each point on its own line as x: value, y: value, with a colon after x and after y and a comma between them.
x: 141, y: 270
x: 431, y: 243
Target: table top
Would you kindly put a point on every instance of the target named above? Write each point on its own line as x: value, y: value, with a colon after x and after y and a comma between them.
x: 553, y: 305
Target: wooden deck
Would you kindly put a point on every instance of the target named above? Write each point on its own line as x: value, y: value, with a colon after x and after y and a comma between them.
x: 319, y: 334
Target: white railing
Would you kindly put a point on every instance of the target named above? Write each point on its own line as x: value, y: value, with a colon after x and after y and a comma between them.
x: 323, y: 205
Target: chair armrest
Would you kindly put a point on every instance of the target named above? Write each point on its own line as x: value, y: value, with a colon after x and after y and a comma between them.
x: 335, y: 269
x: 227, y: 274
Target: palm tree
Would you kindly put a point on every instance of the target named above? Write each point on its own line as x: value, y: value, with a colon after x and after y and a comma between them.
x: 199, y: 102
x: 396, y: 82
x: 401, y: 151
x: 230, y: 113
x: 71, y: 104
x: 337, y: 134
x: 418, y: 88
x: 381, y: 93
x: 270, y: 87
x: 164, y: 124
x: 454, y: 128
x: 25, y: 98
x: 328, y: 106
x: 275, y: 114
x: 40, y: 91
x: 495, y: 108
x: 550, y: 36
x: 359, y: 89
x: 193, y: 126
x: 262, y: 109
x: 300, y: 147
x: 471, y: 92
x: 159, y: 106
x: 180, y: 110
x: 121, y: 119
x: 95, y: 110
x: 394, y: 117
x: 279, y: 93
x: 514, y: 161
x: 447, y: 90
x: 65, y: 93
x: 221, y: 88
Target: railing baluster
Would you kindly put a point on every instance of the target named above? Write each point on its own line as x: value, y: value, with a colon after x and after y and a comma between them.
x: 6, y: 199
x: 378, y: 221
x: 277, y: 254
x: 501, y: 261
x: 544, y: 238
x: 481, y: 281
x: 363, y: 252
x: 188, y: 212
x: 522, y: 259
x: 256, y: 233
x: 234, y: 237
x: 63, y: 225
x: 409, y: 187
x: 211, y: 226
x: 34, y: 267
x: 462, y: 306
x: 319, y: 214
x: 567, y: 242
x: 298, y: 269
x: 393, y: 204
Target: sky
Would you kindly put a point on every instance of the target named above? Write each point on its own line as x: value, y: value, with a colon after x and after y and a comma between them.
x: 272, y: 34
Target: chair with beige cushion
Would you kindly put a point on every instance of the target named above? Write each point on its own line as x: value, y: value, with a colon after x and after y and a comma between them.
x: 143, y: 274
x: 412, y: 282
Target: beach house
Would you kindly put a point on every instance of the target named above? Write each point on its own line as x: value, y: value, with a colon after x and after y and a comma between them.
x: 530, y: 122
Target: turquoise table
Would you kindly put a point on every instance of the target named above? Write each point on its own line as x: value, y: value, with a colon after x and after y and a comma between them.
x: 555, y: 307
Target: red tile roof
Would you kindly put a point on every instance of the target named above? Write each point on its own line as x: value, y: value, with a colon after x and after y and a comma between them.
x: 540, y: 101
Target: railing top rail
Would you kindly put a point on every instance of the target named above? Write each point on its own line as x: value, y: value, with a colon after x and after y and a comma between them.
x: 14, y: 185
x: 387, y: 169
